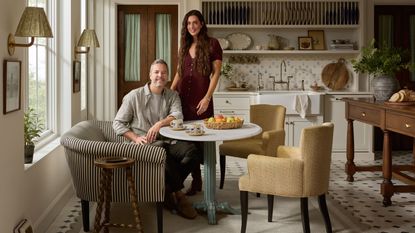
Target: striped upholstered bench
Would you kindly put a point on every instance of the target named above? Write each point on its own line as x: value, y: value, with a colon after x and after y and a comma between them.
x: 89, y: 140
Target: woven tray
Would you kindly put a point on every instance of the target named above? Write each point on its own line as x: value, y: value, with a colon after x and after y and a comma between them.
x: 223, y: 125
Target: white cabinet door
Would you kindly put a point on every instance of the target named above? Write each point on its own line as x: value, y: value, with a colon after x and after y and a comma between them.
x: 294, y: 125
x: 335, y: 112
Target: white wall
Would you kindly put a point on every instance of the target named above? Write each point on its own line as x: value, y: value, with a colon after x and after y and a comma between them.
x: 40, y: 191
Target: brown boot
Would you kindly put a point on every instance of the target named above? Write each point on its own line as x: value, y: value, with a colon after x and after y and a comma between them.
x: 196, y: 185
x: 184, y: 206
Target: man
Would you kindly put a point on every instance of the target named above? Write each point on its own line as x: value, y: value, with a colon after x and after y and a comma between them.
x: 143, y: 112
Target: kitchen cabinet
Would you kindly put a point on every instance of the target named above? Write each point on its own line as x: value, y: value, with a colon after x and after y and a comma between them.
x: 293, y: 126
x: 286, y: 19
x: 232, y: 105
x: 363, y: 133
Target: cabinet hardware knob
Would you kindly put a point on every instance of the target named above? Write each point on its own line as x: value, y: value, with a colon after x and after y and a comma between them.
x: 363, y: 114
x: 407, y: 125
x: 227, y: 101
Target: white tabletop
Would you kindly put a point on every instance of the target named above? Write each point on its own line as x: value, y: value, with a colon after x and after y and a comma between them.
x: 247, y: 130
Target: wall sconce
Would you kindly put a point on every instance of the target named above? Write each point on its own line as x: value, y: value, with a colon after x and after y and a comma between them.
x: 33, y: 23
x: 88, y: 39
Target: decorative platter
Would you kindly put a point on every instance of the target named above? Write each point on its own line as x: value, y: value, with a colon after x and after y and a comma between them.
x: 224, y: 43
x: 239, y: 41
x: 404, y: 103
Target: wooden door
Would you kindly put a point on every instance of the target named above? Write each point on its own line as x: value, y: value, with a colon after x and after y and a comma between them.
x: 401, y: 35
x: 146, y: 49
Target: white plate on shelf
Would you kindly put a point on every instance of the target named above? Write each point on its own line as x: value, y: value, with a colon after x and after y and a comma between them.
x: 224, y: 43
x: 239, y: 41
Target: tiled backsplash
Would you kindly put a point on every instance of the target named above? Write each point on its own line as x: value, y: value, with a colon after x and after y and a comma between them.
x: 307, y: 69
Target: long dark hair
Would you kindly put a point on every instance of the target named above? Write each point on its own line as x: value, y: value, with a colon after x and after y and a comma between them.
x: 203, y: 65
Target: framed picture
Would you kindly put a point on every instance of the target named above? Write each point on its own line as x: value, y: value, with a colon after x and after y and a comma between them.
x: 76, y: 80
x: 305, y: 43
x: 11, y: 85
x: 319, y: 42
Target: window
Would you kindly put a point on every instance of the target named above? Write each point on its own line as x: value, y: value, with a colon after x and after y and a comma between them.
x: 40, y: 84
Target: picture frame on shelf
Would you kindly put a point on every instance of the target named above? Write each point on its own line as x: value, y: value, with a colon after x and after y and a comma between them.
x: 305, y: 43
x: 12, y: 85
x: 76, y: 79
x: 319, y: 42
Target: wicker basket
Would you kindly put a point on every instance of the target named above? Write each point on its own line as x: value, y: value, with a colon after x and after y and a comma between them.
x: 223, y: 125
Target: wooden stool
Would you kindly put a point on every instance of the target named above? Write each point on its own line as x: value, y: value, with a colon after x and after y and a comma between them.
x: 108, y: 165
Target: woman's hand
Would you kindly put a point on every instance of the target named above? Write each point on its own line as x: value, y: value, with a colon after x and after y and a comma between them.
x: 202, y: 106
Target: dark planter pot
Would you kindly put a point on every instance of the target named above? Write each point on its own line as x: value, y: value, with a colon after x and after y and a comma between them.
x: 28, y: 153
x: 384, y: 86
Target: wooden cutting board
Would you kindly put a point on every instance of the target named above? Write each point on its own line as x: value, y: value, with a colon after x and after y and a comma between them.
x: 335, y: 75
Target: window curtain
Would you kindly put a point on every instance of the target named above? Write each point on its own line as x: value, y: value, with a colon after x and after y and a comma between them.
x: 385, y: 31
x: 163, y: 39
x: 412, y: 41
x: 132, y: 48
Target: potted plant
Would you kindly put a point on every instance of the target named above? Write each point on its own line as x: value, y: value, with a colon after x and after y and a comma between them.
x: 226, y: 71
x: 32, y: 130
x: 382, y: 63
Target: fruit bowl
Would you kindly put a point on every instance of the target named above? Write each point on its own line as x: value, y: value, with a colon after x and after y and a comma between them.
x: 223, y: 125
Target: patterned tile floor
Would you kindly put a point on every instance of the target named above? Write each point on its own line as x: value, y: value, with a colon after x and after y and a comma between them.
x: 362, y: 199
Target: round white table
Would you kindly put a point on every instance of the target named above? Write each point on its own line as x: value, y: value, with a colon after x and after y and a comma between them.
x: 209, y: 138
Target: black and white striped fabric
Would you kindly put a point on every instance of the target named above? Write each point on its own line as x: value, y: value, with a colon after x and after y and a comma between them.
x: 89, y: 140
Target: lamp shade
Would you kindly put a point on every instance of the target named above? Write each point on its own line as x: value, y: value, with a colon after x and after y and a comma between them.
x: 34, y: 23
x: 88, y: 39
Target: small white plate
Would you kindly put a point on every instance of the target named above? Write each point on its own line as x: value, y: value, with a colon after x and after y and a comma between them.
x: 224, y: 43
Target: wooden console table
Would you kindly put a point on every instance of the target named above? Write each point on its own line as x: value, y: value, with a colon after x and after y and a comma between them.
x: 389, y: 118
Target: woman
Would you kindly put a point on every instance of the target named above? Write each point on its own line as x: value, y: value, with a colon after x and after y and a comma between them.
x: 199, y: 63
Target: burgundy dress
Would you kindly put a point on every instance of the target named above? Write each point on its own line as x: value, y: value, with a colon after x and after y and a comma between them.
x: 193, y: 86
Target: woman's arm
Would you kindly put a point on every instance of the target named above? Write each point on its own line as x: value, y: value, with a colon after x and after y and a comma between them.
x: 204, y: 103
x: 175, y: 80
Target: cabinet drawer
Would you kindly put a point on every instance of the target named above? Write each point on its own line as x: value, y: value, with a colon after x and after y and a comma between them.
x: 400, y: 123
x: 231, y: 103
x: 367, y: 115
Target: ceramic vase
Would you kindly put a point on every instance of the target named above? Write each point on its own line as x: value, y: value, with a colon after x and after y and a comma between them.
x: 384, y: 86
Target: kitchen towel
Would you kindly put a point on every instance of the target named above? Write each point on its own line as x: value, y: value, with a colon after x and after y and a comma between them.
x: 301, y: 104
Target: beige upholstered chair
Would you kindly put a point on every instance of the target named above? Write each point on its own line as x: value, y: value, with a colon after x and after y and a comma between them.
x: 296, y: 172
x: 271, y: 119
x: 89, y: 140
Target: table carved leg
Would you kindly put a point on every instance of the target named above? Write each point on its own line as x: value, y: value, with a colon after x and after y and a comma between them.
x: 387, y: 185
x: 350, y: 166
x: 209, y: 204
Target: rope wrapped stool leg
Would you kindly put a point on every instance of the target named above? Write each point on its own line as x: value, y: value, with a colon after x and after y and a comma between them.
x: 108, y: 165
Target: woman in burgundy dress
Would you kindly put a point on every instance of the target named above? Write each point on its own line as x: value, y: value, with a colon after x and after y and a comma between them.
x: 198, y: 71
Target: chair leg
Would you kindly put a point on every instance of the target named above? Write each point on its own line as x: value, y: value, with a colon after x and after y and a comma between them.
x: 244, y: 209
x: 159, y: 206
x: 304, y: 215
x: 270, y: 207
x: 222, y: 162
x: 324, y: 211
x: 85, y: 214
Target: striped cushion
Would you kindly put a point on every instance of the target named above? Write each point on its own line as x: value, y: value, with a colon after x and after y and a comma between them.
x: 148, y: 170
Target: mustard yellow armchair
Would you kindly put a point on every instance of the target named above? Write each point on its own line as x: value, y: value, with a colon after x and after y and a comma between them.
x: 271, y: 119
x: 296, y: 172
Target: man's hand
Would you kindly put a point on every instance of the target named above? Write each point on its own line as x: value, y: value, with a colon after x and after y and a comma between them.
x: 140, y: 140
x: 153, y: 131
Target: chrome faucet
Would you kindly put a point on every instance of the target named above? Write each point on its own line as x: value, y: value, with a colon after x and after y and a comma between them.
x: 280, y: 81
x: 260, y: 82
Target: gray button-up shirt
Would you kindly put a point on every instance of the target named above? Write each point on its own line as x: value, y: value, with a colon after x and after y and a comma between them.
x: 134, y: 113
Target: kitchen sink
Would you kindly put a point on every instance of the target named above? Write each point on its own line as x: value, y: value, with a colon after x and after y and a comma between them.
x: 286, y: 98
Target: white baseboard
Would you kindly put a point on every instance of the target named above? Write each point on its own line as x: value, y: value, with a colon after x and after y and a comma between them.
x: 52, y: 211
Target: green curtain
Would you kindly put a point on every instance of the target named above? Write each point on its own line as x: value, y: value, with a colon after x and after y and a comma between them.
x: 385, y: 30
x: 412, y: 41
x: 163, y: 39
x: 132, y: 47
